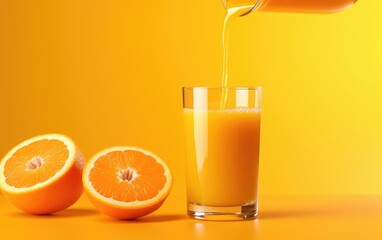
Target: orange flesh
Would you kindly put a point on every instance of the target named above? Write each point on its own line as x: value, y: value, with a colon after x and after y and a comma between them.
x: 18, y: 172
x: 147, y: 178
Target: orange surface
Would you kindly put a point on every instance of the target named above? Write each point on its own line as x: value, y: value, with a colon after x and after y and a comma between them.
x: 222, y: 155
x: 281, y: 217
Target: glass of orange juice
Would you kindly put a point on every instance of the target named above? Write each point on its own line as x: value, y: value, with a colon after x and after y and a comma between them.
x: 222, y: 130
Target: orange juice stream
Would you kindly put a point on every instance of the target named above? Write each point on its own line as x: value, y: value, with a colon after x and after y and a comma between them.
x: 222, y: 155
x: 232, y: 13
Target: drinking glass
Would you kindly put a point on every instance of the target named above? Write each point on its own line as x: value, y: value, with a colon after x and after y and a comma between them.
x: 222, y: 130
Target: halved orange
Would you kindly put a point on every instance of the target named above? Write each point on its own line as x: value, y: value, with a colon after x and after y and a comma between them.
x: 42, y: 175
x: 126, y: 182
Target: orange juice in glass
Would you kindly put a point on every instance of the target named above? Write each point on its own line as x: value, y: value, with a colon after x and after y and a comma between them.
x: 222, y: 151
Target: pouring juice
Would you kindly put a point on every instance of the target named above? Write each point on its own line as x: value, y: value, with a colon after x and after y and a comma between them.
x: 222, y: 128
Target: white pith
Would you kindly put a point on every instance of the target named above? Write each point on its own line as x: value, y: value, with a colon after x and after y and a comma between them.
x: 128, y: 174
x: 35, y: 163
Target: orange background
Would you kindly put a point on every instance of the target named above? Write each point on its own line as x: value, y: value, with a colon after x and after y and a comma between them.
x: 110, y: 73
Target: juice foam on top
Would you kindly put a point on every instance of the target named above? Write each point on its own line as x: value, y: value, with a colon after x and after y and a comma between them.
x: 240, y: 110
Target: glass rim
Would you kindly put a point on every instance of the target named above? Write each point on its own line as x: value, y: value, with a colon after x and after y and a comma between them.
x: 228, y: 88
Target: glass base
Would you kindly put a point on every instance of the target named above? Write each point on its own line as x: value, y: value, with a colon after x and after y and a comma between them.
x: 229, y: 213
